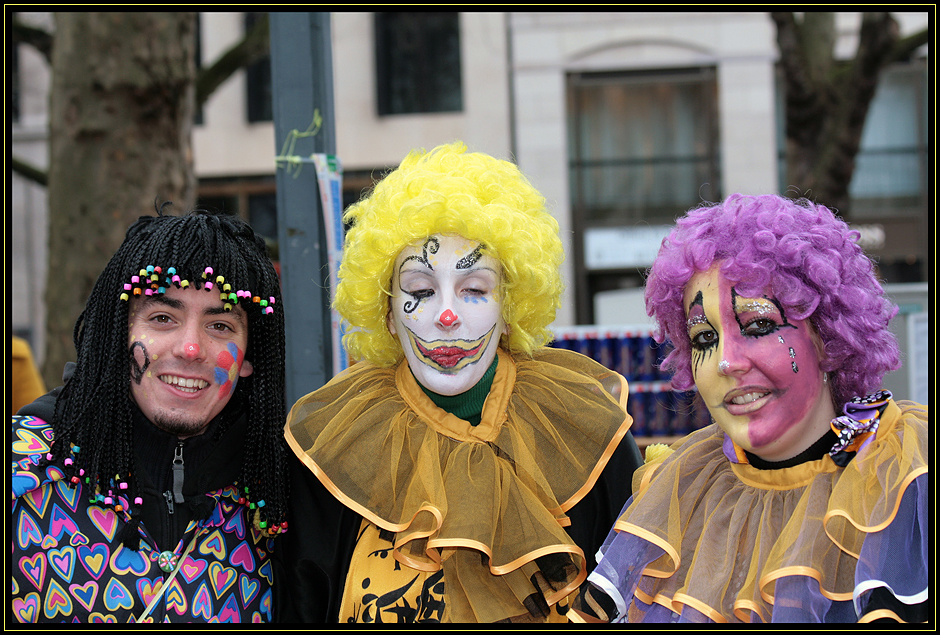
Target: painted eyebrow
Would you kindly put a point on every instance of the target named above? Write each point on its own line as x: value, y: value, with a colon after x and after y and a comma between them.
x: 696, y: 301
x: 472, y: 270
x: 421, y: 267
x: 696, y: 319
x: 756, y: 305
x: 424, y: 266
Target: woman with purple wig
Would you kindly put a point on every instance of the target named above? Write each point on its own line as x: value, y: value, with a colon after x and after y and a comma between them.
x: 807, y: 499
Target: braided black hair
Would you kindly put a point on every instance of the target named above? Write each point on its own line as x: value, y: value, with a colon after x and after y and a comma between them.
x: 93, y: 414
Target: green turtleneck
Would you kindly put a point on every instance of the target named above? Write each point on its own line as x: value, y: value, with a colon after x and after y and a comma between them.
x: 467, y: 405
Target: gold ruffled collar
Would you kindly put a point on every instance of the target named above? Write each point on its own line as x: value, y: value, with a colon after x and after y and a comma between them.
x: 501, y: 488
x: 759, y: 525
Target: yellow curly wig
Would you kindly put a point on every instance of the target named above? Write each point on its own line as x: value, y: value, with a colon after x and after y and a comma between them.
x: 450, y: 191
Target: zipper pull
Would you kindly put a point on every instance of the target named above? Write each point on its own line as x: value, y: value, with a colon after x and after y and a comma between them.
x: 178, y: 474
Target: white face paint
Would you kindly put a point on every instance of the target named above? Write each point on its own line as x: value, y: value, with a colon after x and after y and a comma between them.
x: 445, y: 312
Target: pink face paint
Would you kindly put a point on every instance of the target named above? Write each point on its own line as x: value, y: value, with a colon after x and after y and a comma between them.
x: 758, y: 371
x: 448, y: 317
x: 191, y: 350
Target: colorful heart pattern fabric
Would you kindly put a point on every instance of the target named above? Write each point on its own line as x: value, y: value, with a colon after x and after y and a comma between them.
x: 69, y: 566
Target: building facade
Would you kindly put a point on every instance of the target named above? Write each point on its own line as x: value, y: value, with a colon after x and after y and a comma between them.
x: 623, y: 120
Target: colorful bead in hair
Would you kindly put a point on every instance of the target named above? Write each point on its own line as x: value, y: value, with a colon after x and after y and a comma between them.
x: 147, y: 282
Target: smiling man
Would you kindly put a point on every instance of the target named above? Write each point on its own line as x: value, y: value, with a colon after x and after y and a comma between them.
x: 475, y: 465
x: 152, y: 486
x: 187, y: 353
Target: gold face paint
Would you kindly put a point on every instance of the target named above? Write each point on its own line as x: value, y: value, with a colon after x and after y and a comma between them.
x: 450, y: 355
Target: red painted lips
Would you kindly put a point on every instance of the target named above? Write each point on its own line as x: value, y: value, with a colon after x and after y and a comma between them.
x: 448, y: 356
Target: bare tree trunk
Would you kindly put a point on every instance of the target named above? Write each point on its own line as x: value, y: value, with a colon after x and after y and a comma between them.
x: 121, y: 111
x: 827, y: 100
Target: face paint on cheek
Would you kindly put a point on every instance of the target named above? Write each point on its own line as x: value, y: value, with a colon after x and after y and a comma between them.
x: 695, y: 316
x: 140, y: 361
x: 698, y: 359
x: 430, y: 247
x: 793, y: 365
x: 229, y: 363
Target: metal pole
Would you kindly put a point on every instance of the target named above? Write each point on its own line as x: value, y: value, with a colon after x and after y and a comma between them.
x: 302, y: 93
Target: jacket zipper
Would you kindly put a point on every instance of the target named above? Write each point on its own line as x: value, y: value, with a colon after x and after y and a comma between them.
x: 176, y: 496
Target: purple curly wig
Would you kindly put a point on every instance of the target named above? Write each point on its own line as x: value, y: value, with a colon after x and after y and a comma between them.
x: 806, y: 257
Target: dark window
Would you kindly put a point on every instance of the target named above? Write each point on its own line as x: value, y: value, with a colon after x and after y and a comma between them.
x: 892, y: 160
x: 418, y: 62
x: 643, y: 147
x: 219, y: 204
x: 260, y: 105
x: 250, y: 198
x: 890, y: 189
x: 262, y: 213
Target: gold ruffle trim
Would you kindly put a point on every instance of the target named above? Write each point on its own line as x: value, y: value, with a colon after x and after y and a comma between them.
x: 500, y: 489
x: 745, y: 528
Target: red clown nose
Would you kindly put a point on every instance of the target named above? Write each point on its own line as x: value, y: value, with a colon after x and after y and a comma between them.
x: 448, y: 317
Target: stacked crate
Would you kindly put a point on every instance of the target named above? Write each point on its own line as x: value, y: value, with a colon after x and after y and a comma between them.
x: 659, y: 412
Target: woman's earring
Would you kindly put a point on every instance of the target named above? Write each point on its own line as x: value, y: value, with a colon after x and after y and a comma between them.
x: 825, y: 378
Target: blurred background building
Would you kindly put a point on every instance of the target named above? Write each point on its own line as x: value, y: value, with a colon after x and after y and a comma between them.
x: 623, y: 120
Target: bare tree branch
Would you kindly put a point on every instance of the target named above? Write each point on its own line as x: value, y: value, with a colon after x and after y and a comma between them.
x: 38, y: 38
x: 827, y: 99
x: 805, y: 99
x: 255, y: 46
x: 877, y: 37
x: 906, y: 46
x: 28, y: 171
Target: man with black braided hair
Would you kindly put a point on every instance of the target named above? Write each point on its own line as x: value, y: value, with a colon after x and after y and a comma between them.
x: 152, y: 485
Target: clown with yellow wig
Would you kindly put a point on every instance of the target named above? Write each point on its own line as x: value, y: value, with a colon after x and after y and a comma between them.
x: 474, y: 469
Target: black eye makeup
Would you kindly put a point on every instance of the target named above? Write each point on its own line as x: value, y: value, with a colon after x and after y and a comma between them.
x: 702, y: 336
x: 758, y: 317
x: 431, y: 246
